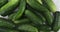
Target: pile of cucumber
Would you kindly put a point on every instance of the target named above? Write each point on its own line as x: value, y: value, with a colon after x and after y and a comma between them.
x: 29, y: 16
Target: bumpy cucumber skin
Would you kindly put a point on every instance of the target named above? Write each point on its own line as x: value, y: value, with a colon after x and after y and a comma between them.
x: 36, y: 5
x: 37, y: 13
x: 11, y: 16
x: 25, y: 20
x: 7, y: 30
x: 48, y: 16
x: 50, y: 5
x: 27, y: 28
x: 7, y: 8
x: 6, y: 23
x: 56, y: 23
x: 40, y: 8
x: 42, y: 27
x: 34, y: 18
x: 20, y: 11
x: 3, y: 2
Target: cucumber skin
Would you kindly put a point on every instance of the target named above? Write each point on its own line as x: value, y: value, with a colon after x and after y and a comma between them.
x: 42, y: 27
x: 7, y: 30
x: 50, y: 5
x: 36, y: 5
x: 56, y: 23
x: 40, y: 8
x: 11, y: 16
x: 49, y: 17
x: 34, y: 18
x: 7, y: 8
x: 20, y: 11
x: 21, y: 21
x: 3, y: 2
x: 27, y: 28
x: 40, y: 1
x: 6, y: 23
x: 35, y: 12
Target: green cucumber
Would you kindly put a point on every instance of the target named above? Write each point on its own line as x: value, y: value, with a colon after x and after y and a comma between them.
x: 40, y: 8
x: 3, y: 2
x: 48, y: 16
x: 27, y: 28
x: 7, y: 30
x: 45, y: 31
x: 7, y: 8
x: 20, y: 11
x: 37, y: 13
x: 25, y: 20
x: 34, y: 18
x: 11, y: 16
x: 56, y: 23
x: 42, y: 27
x: 40, y: 1
x: 50, y: 5
x: 36, y: 5
x: 6, y: 23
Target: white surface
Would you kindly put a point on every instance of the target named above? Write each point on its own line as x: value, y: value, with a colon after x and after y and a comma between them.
x: 57, y: 3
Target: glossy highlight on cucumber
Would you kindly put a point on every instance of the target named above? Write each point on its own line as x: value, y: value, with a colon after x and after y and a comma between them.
x: 7, y: 8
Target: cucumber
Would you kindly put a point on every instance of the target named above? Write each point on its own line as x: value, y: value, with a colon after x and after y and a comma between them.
x: 40, y: 1
x: 50, y: 5
x: 27, y: 28
x: 36, y: 5
x: 37, y: 13
x: 7, y: 30
x: 48, y: 16
x: 45, y: 31
x: 25, y: 20
x: 56, y: 23
x: 20, y: 11
x: 45, y: 28
x: 40, y: 8
x: 11, y: 16
x: 6, y: 23
x: 7, y: 8
x: 34, y: 18
x: 42, y: 27
x: 3, y: 2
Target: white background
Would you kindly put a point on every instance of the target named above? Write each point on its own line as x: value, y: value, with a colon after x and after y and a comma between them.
x: 57, y: 3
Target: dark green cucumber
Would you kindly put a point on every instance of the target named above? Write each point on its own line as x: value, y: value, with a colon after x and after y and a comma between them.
x: 40, y: 8
x: 42, y: 27
x: 34, y: 18
x: 56, y: 23
x: 3, y: 2
x: 27, y: 28
x: 20, y: 11
x: 25, y: 20
x: 50, y: 5
x: 36, y: 5
x: 7, y: 30
x: 45, y: 31
x: 6, y: 23
x: 7, y: 8
x: 37, y: 13
x: 11, y: 16
x: 48, y: 16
